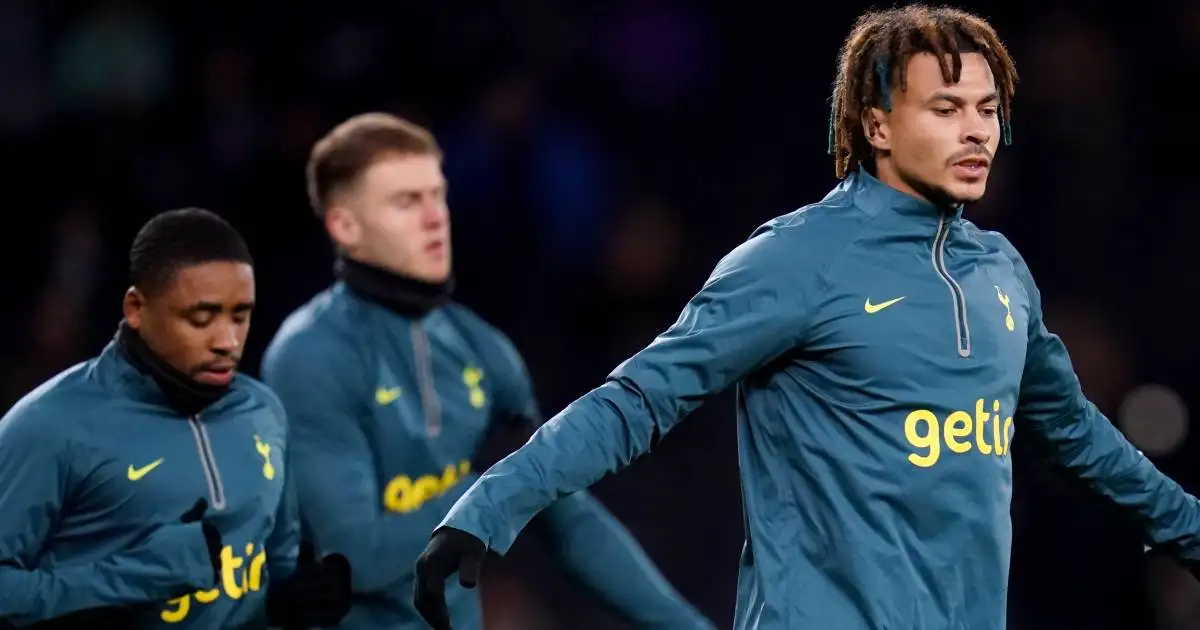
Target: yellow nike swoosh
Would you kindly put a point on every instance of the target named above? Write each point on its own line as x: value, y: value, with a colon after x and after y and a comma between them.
x: 386, y: 396
x: 875, y: 308
x: 138, y: 473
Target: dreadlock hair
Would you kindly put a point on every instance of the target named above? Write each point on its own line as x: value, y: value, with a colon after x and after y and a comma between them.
x: 875, y: 56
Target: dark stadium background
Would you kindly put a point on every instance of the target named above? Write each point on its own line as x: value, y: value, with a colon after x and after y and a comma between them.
x: 602, y: 156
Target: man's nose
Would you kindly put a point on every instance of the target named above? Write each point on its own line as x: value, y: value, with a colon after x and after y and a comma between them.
x: 978, y: 131
x: 435, y: 214
x: 226, y: 340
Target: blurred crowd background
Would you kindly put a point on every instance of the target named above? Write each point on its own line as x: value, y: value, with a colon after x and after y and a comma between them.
x: 601, y: 156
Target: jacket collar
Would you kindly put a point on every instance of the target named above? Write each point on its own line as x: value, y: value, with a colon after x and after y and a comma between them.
x: 146, y: 377
x: 872, y: 195
x: 407, y: 296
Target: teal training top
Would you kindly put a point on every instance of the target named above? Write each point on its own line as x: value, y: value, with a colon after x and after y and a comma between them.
x: 885, y: 353
x: 386, y: 411
x: 93, y: 460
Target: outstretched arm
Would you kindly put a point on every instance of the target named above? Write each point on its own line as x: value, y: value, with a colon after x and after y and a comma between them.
x: 1075, y: 435
x: 753, y: 308
x: 593, y: 547
x: 586, y: 541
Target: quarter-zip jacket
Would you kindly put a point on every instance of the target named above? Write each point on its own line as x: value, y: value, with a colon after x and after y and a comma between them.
x: 387, y: 409
x: 885, y: 352
x: 95, y: 458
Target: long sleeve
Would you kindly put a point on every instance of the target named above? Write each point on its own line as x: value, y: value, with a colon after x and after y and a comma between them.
x: 584, y: 539
x: 1075, y: 435
x: 332, y: 465
x: 753, y: 309
x: 594, y: 548
x: 35, y: 464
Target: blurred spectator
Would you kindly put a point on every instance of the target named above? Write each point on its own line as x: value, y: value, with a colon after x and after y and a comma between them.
x: 53, y: 341
x: 1072, y: 100
x: 659, y: 51
x: 518, y: 161
x: 232, y: 130
x: 116, y: 58
x: 21, y: 75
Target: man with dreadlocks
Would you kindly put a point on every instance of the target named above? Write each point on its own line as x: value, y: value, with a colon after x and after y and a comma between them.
x: 885, y: 352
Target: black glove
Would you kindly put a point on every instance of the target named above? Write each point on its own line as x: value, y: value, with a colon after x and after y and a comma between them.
x: 212, y: 537
x: 315, y: 594
x: 449, y: 551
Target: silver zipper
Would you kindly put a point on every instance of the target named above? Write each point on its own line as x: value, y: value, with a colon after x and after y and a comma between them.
x: 216, y: 490
x: 961, y: 330
x: 430, y: 407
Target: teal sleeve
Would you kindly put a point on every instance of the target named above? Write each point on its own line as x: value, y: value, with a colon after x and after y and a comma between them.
x: 594, y: 548
x: 1076, y: 436
x: 586, y: 541
x: 753, y: 309
x: 332, y: 466
x: 283, y: 543
x: 36, y: 462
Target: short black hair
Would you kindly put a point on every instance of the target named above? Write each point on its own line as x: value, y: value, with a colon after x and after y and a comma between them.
x: 181, y: 238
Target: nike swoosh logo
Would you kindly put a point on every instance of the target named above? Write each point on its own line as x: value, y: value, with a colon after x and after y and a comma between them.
x: 138, y: 473
x: 875, y: 308
x: 385, y: 396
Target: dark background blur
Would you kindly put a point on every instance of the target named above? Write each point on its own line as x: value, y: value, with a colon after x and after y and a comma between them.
x: 602, y: 156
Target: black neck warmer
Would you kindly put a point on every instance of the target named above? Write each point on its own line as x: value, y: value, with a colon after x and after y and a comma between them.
x: 406, y: 296
x: 183, y: 394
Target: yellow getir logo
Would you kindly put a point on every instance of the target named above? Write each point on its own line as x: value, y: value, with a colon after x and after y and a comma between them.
x: 239, y: 576
x: 961, y: 432
x: 404, y: 494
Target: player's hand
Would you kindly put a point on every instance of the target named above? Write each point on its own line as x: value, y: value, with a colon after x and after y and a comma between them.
x: 212, y: 537
x: 168, y: 560
x: 315, y: 594
x: 450, y: 551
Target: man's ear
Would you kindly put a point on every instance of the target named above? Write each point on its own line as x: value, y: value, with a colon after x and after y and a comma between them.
x: 132, y: 307
x: 876, y: 128
x: 343, y: 226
